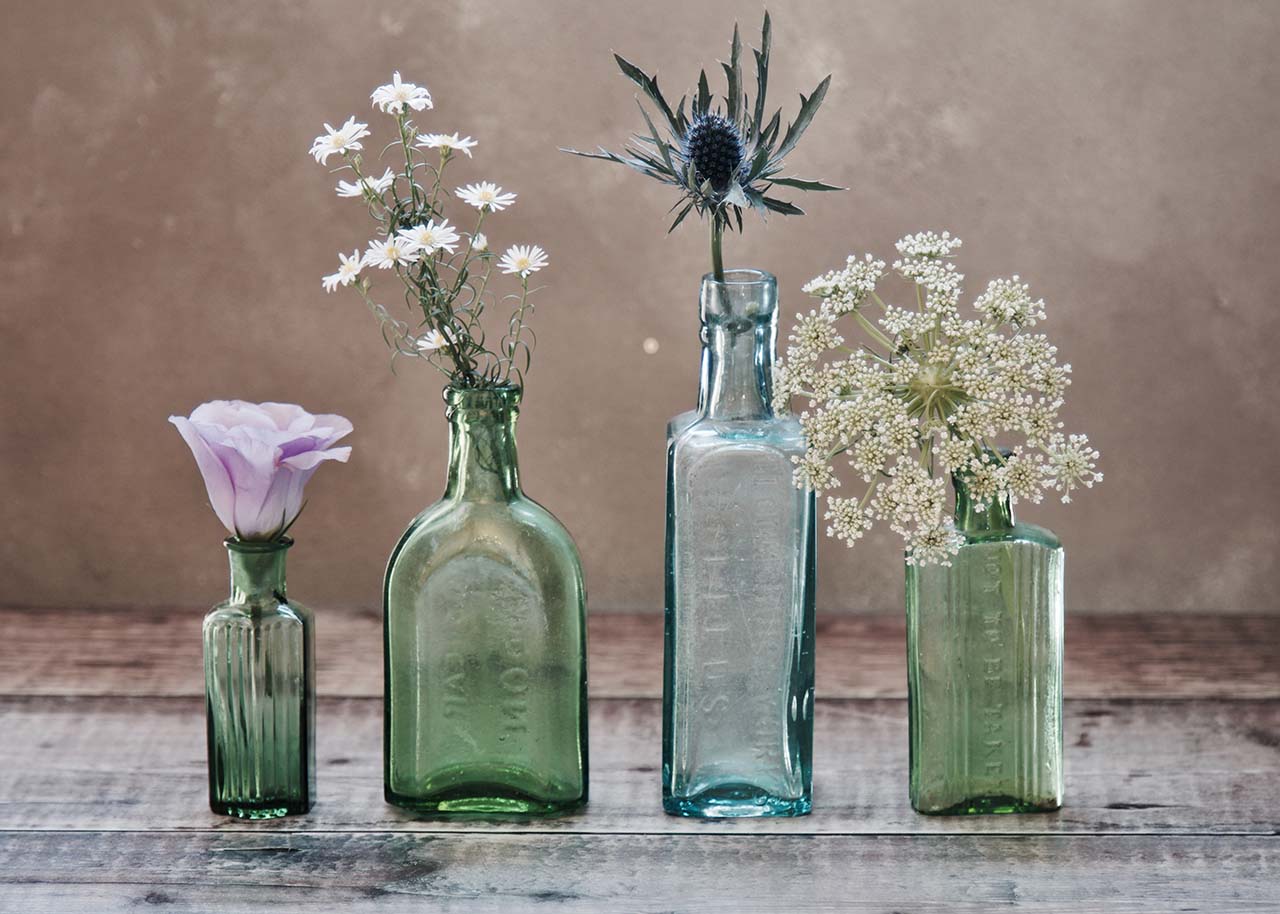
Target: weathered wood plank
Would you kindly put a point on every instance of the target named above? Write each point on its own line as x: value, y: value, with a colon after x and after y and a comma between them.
x: 1132, y: 767
x: 157, y: 652
x: 219, y: 872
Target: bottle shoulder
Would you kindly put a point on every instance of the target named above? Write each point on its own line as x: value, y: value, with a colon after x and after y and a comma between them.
x: 693, y: 430
x: 1019, y: 533
x: 519, y: 531
x: 455, y: 513
x: 232, y: 613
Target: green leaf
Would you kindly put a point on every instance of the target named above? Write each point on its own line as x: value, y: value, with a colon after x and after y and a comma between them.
x: 680, y: 218
x: 804, y: 184
x: 770, y: 133
x: 642, y: 156
x: 756, y: 199
x: 762, y: 70
x: 758, y: 162
x: 808, y: 108
x: 782, y: 206
x: 648, y: 85
x: 657, y: 140
x: 733, y: 73
x: 637, y: 164
x: 703, y: 104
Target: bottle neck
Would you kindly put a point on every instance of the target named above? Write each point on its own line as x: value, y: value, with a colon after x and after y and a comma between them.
x: 482, y: 444
x: 996, y: 513
x: 257, y: 570
x: 739, y: 331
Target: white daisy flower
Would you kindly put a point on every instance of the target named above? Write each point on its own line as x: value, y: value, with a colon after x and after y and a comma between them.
x: 348, y: 269
x: 358, y: 188
x: 343, y: 140
x: 430, y: 237
x: 523, y: 259
x: 479, y: 242
x: 486, y: 195
x: 390, y: 253
x: 431, y: 341
x: 392, y: 97
x: 449, y: 141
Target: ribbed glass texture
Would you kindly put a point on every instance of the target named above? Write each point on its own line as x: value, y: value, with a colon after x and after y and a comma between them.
x: 259, y: 650
x: 738, y: 696
x: 485, y: 628
x: 984, y: 666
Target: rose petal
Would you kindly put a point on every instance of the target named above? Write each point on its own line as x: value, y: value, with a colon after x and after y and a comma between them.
x: 217, y: 479
x: 312, y: 459
x: 260, y: 457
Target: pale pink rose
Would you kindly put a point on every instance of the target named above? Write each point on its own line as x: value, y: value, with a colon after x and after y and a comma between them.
x: 256, y: 457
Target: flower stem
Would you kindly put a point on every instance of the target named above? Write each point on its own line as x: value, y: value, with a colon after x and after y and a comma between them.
x: 873, y: 331
x: 717, y: 256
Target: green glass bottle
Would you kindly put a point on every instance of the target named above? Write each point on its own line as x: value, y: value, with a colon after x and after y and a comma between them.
x: 984, y: 668
x: 485, y: 631
x: 260, y: 687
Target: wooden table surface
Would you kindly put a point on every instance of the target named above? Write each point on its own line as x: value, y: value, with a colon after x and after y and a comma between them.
x: 1173, y: 787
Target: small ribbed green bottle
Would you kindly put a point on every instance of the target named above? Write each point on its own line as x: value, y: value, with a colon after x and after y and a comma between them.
x: 984, y: 668
x: 259, y: 674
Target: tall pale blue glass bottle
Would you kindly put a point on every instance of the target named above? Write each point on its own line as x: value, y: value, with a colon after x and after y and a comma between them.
x: 738, y: 684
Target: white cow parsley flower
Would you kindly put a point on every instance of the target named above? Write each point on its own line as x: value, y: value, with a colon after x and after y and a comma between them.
x: 849, y: 520
x: 928, y: 393
x: 1072, y: 463
x: 348, y: 269
x: 430, y: 237
x: 523, y: 259
x: 393, y: 97
x: 393, y: 252
x: 486, y: 195
x: 341, y: 141
x: 446, y: 141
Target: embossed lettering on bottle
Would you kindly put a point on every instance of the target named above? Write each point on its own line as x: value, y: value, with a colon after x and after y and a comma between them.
x: 991, y: 693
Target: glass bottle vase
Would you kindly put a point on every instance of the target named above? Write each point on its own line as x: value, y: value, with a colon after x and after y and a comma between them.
x: 984, y: 668
x: 259, y: 673
x: 485, y: 637
x: 738, y: 684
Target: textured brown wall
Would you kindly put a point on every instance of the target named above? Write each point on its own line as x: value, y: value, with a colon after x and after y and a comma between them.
x: 164, y: 233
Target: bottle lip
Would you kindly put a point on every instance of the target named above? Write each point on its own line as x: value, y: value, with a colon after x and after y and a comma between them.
x: 504, y: 397
x: 743, y: 276
x: 257, y: 547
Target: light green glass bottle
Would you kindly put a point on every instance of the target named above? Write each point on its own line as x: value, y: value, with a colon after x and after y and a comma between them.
x: 485, y: 629
x: 260, y: 687
x: 984, y: 668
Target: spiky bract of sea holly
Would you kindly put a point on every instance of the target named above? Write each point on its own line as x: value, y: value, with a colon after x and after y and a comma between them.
x: 695, y: 150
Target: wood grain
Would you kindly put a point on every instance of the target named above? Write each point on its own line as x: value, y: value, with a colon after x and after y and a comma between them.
x: 1132, y: 767
x: 215, y: 872
x: 1173, y: 787
x: 157, y: 652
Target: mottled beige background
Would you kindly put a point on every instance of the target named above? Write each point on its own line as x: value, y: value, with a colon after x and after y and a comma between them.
x: 164, y: 232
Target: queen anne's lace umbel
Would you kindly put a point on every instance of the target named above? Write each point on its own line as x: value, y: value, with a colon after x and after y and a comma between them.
x: 928, y: 392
